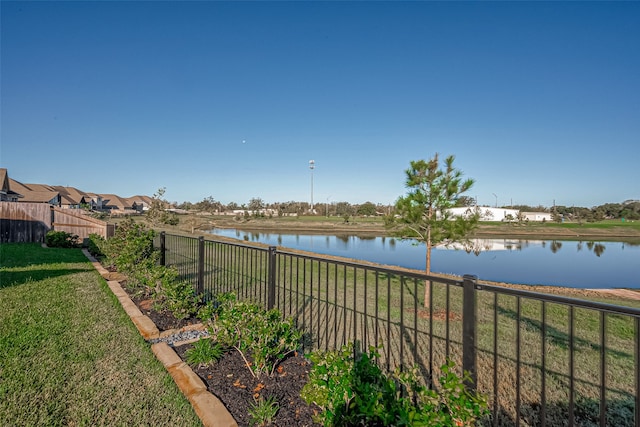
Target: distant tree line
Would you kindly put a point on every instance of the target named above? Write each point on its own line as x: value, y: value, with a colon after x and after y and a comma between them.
x: 256, y: 207
x: 629, y: 209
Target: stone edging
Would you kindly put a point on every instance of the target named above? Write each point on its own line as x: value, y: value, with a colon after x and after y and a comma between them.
x: 211, y: 411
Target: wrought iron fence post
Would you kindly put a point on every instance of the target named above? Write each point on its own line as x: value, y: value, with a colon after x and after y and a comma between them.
x: 163, y: 248
x: 271, y: 285
x: 200, y: 285
x: 469, y: 330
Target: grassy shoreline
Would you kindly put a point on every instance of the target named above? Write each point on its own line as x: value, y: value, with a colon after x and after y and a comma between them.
x: 628, y: 231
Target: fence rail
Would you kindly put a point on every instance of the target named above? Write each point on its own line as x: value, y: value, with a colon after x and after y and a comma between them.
x: 543, y: 360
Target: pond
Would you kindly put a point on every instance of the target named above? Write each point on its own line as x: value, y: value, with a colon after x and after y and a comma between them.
x: 577, y: 264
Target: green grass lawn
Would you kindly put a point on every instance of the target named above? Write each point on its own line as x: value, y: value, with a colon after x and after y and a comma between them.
x: 69, y: 354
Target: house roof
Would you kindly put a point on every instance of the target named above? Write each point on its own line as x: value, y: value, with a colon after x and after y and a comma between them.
x: 71, y: 195
x: 66, y: 195
x: 38, y: 193
x: 40, y: 196
x: 115, y: 202
x: 4, y: 181
x: 140, y: 199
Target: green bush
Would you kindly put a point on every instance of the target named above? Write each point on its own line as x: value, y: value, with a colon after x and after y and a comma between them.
x: 178, y: 296
x: 131, y: 247
x: 254, y: 331
x: 351, y: 390
x: 263, y: 411
x: 95, y: 245
x: 206, y: 312
x: 204, y: 352
x: 61, y: 239
x: 131, y: 251
x: 170, y: 219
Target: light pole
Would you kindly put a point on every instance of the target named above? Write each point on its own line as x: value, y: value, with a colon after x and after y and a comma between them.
x: 494, y: 195
x: 312, y: 166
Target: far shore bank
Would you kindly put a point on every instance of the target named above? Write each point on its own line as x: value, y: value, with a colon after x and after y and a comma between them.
x: 376, y: 228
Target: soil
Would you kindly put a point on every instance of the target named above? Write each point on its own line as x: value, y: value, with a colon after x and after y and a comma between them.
x: 232, y: 382
x: 163, y: 319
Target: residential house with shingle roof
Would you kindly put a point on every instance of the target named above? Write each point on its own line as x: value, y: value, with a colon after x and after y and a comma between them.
x: 96, y: 201
x: 35, y: 193
x: 72, y: 197
x: 6, y: 193
x: 117, y: 205
x: 140, y: 203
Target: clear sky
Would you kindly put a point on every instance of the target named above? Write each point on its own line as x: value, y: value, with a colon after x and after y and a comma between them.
x: 538, y: 101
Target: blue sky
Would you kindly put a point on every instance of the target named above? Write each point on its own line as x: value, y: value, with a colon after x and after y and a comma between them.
x: 538, y: 101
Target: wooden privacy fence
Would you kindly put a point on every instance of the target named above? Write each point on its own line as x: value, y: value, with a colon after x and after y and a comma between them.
x: 30, y: 222
x: 79, y: 224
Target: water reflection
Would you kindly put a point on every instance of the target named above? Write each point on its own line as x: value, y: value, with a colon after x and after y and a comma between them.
x: 550, y: 262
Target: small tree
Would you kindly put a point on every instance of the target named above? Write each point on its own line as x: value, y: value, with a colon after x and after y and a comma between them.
x: 424, y: 212
x: 256, y: 205
x: 366, y: 209
x: 156, y: 213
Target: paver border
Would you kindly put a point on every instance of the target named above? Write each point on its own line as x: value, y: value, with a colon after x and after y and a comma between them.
x: 209, y: 408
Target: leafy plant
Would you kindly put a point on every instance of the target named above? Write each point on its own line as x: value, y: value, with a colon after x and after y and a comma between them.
x: 351, y: 390
x: 264, y: 411
x: 131, y: 247
x: 95, y: 245
x: 178, y: 296
x: 131, y: 252
x: 61, y: 239
x: 204, y: 352
x: 254, y: 331
x: 207, y: 312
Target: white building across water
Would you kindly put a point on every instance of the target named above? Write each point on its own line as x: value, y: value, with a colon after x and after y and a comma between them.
x: 500, y: 214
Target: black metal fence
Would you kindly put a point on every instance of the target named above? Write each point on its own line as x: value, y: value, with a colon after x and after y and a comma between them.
x: 541, y: 359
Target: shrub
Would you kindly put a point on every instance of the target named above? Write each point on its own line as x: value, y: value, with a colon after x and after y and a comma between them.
x: 131, y: 252
x: 254, y: 331
x: 204, y: 352
x: 351, y: 390
x: 206, y: 312
x: 131, y: 247
x: 177, y: 296
x: 95, y: 245
x: 170, y: 219
x: 263, y: 411
x: 61, y: 239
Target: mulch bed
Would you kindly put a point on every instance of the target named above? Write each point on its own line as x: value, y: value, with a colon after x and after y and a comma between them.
x: 230, y: 380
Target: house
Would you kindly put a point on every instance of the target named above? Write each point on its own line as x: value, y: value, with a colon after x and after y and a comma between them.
x: 95, y: 201
x: 71, y: 198
x: 117, y: 205
x: 6, y: 194
x: 140, y: 203
x: 35, y: 193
